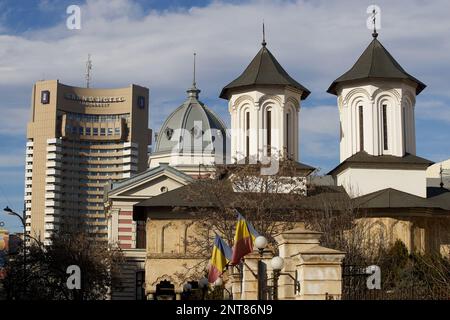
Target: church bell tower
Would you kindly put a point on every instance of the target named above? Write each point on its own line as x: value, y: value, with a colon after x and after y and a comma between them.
x: 264, y: 104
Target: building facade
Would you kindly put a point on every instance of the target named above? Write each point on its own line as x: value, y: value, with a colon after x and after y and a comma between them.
x: 376, y: 101
x: 78, y: 141
x: 151, y: 216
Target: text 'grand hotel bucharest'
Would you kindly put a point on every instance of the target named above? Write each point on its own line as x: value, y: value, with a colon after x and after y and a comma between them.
x: 79, y: 140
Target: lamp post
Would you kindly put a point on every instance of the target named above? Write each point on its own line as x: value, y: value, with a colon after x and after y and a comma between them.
x: 260, y: 244
x: 277, y: 264
x: 219, y: 283
x: 187, y: 288
x: 203, y: 285
x: 9, y: 211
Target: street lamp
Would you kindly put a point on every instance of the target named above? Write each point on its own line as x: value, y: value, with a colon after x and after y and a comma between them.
x: 277, y: 264
x: 261, y: 244
x: 203, y: 285
x: 187, y: 287
x: 9, y: 211
x: 219, y: 283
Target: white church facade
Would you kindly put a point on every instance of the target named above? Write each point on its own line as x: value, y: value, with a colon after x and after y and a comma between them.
x: 378, y: 168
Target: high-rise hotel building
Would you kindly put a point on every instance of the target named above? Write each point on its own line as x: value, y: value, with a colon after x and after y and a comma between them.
x: 79, y: 140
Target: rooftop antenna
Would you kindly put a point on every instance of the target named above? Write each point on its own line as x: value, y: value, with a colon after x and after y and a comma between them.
x: 264, y: 43
x: 88, y: 71
x: 374, y: 21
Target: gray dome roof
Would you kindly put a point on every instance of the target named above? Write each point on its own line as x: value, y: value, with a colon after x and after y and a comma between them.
x: 184, y: 124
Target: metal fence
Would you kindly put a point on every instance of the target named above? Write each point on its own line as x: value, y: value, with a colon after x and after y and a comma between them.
x: 354, y: 287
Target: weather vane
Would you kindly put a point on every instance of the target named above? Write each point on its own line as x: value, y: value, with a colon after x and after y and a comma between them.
x: 88, y: 71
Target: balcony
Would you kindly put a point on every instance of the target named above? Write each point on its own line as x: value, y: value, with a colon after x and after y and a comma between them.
x: 129, y: 168
x: 52, y: 164
x: 52, y: 203
x: 52, y: 172
x: 54, y: 149
x: 52, y: 187
x: 52, y: 211
x: 130, y: 144
x: 51, y: 219
x: 52, y: 195
x: 52, y: 180
x: 47, y: 236
x: 53, y: 141
x: 53, y: 156
x: 128, y: 152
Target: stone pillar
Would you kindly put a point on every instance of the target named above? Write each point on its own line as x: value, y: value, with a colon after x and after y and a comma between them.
x: 290, y: 243
x: 250, y: 274
x: 249, y: 280
x: 318, y: 269
x: 320, y: 274
x: 236, y: 282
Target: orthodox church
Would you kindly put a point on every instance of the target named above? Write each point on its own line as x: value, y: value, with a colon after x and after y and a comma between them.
x: 379, y: 169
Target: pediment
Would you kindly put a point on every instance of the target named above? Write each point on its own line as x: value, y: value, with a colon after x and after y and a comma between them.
x: 150, y: 183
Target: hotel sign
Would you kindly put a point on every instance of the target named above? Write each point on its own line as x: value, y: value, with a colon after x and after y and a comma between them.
x: 94, y: 101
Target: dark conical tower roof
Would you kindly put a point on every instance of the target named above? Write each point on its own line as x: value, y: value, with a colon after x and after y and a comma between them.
x: 376, y: 62
x: 264, y: 70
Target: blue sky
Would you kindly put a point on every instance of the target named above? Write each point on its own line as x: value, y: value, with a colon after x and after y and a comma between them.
x: 151, y: 43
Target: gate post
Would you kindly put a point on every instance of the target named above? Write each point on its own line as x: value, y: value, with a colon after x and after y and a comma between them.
x: 289, y: 244
x: 318, y: 269
x: 320, y: 274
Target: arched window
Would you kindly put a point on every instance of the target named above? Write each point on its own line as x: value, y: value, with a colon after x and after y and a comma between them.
x: 385, y: 127
x: 269, y: 131
x: 361, y: 128
x: 288, y: 149
x: 404, y: 127
x: 247, y: 135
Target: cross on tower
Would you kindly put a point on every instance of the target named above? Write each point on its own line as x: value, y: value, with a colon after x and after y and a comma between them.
x: 374, y: 21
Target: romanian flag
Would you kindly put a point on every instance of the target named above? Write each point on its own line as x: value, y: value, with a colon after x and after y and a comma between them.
x: 243, y: 239
x: 221, y: 255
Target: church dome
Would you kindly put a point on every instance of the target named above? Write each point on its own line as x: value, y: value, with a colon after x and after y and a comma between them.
x: 192, y: 120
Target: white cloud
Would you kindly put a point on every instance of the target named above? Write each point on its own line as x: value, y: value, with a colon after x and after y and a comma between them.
x: 321, y: 120
x: 13, y: 159
x: 316, y: 41
x: 434, y: 110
